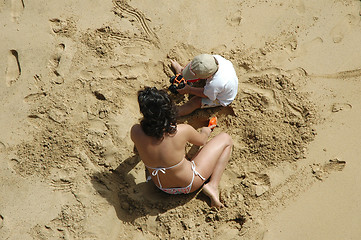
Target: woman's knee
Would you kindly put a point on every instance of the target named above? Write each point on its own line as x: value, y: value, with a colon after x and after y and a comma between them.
x: 226, y: 139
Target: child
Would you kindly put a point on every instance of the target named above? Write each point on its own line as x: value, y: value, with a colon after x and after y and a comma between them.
x: 221, y: 82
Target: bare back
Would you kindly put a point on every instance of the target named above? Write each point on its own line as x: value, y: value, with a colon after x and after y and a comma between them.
x: 168, y: 152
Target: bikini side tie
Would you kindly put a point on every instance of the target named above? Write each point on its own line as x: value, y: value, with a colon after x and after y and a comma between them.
x: 196, y: 172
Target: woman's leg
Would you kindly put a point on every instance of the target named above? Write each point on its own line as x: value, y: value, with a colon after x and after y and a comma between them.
x: 211, y: 162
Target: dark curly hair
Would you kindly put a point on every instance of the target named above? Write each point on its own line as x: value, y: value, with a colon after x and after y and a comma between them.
x: 159, y: 112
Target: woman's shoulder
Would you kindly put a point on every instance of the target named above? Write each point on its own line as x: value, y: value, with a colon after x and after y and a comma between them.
x: 185, y: 129
x: 183, y: 126
x: 135, y: 131
x: 136, y: 127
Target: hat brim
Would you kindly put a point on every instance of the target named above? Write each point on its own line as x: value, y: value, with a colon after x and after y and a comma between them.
x: 187, y: 73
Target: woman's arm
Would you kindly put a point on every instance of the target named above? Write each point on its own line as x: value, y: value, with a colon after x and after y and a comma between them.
x: 194, y: 137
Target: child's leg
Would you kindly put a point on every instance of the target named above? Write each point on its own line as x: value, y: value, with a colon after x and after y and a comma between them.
x: 187, y: 108
x: 176, y: 66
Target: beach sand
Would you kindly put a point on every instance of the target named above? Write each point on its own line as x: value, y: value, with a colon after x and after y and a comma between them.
x: 69, y: 76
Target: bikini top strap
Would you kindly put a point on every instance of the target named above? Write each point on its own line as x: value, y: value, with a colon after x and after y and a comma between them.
x: 162, y: 169
x: 156, y: 170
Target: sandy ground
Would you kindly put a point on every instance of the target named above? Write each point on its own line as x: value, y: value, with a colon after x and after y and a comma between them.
x: 69, y: 74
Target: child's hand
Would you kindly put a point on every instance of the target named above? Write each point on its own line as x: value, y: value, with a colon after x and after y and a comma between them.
x: 184, y: 90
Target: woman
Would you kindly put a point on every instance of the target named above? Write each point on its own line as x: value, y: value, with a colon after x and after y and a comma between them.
x: 161, y: 146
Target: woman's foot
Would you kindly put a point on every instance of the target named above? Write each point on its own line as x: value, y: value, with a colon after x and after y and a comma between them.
x: 176, y: 66
x: 213, y: 194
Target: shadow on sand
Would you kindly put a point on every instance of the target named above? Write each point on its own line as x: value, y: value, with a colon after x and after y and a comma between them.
x: 133, y: 200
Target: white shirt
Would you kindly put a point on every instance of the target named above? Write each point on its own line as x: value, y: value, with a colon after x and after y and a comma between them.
x: 223, y: 86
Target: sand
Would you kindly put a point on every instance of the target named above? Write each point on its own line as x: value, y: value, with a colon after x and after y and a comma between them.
x: 69, y: 74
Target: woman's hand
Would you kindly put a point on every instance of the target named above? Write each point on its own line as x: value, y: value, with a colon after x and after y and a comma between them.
x: 207, y: 131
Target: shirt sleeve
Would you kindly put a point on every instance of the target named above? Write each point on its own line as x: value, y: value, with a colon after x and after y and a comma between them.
x: 211, y: 91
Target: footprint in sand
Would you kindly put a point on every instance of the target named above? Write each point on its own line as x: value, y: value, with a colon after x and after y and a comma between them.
x: 55, y: 61
x: 322, y: 171
x: 34, y: 97
x: 14, y: 165
x: 296, y: 50
x: 337, y: 107
x: 13, y: 70
x: 235, y: 18
x: 1, y: 221
x: 2, y: 146
x: 343, y: 27
x: 17, y: 8
x: 59, y: 26
x: 334, y: 165
x: 57, y: 115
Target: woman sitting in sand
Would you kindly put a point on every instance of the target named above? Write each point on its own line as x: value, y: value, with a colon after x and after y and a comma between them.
x: 161, y: 146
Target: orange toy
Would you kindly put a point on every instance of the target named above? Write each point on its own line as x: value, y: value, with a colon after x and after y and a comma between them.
x: 212, y: 123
